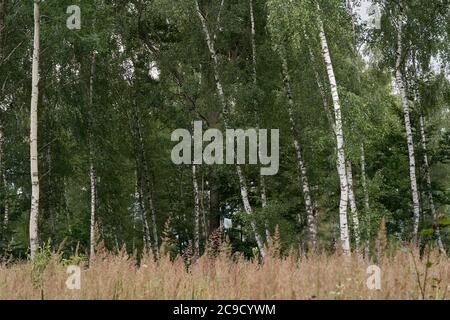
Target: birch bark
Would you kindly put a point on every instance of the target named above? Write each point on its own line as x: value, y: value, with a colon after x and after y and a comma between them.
x: 409, y: 134
x: 149, y: 205
x: 2, y: 167
x: 349, y: 171
x: 302, y: 170
x: 344, y: 233
x: 92, y: 171
x: 262, y: 181
x: 34, y: 212
x: 196, y: 212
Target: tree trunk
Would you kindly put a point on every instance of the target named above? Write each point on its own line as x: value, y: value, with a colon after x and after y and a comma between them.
x: 3, y: 189
x: 196, y: 212
x: 349, y: 171
x: 429, y: 186
x: 2, y: 26
x: 93, y: 183
x: 366, y: 197
x: 214, y: 201
x: 3, y: 184
x: 2, y: 166
x: 262, y: 181
x: 353, y: 208
x: 143, y: 212
x: 92, y: 171
x: 220, y: 92
x: 34, y: 213
x: 204, y: 210
x: 364, y: 179
x: 344, y: 233
x: 409, y: 134
x: 302, y: 171
x: 143, y: 168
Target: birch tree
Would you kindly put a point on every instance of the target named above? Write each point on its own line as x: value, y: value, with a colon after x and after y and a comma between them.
x: 196, y: 211
x: 34, y: 213
x: 225, y: 115
x: 92, y: 171
x: 331, y: 121
x: 2, y: 174
x: 262, y: 180
x: 301, y: 167
x: 408, y: 128
x: 344, y: 233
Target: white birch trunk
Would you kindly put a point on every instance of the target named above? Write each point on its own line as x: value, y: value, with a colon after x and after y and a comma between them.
x: 196, y: 212
x: 255, y: 82
x: 409, y: 134
x: 34, y: 212
x: 152, y: 208
x: 149, y: 208
x: 143, y: 213
x: 5, y: 218
x: 429, y: 187
x: 344, y: 233
x: 220, y: 92
x: 93, y: 183
x: 311, y: 220
x: 3, y: 184
x: 92, y: 171
x: 349, y: 171
x: 2, y: 180
x: 2, y: 168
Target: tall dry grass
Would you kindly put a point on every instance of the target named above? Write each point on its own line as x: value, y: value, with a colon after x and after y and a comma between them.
x: 320, y: 276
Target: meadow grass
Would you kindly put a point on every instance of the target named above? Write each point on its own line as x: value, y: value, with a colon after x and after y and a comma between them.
x: 296, y: 276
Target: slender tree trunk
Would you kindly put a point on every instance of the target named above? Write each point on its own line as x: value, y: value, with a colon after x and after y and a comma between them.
x: 306, y: 190
x: 2, y: 167
x: 142, y: 209
x: 364, y: 179
x: 50, y: 192
x: 93, y: 183
x: 344, y: 233
x: 5, y: 218
x: 196, y: 212
x: 204, y: 210
x: 353, y: 208
x: 366, y: 198
x: 220, y: 92
x: 2, y: 26
x: 144, y: 166
x: 409, y: 134
x: 262, y: 181
x: 3, y: 187
x: 213, y: 203
x: 34, y: 213
x: 429, y: 186
x: 349, y: 170
x: 92, y: 171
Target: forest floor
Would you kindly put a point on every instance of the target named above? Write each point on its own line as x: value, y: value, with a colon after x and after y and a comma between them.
x: 322, y: 276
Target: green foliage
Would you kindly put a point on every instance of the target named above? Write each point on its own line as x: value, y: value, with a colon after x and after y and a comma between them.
x: 134, y: 113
